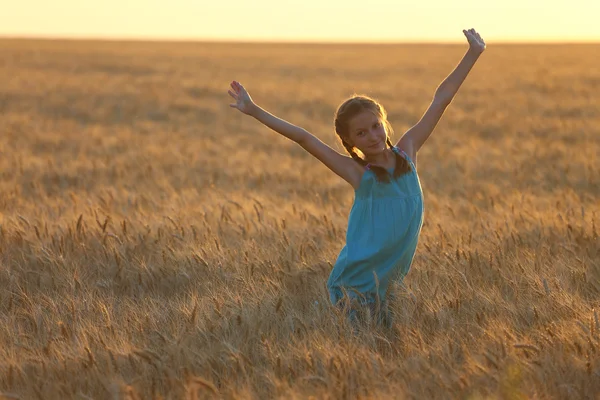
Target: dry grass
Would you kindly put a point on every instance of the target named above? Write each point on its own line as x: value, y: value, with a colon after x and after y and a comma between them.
x: 156, y: 243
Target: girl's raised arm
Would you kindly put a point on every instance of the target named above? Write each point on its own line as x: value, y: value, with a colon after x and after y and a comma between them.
x: 416, y: 136
x: 342, y: 165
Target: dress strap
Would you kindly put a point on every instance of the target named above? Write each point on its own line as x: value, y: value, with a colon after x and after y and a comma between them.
x: 368, y: 166
x: 401, y: 152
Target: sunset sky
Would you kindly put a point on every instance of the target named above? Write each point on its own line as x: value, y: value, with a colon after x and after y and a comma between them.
x: 305, y: 20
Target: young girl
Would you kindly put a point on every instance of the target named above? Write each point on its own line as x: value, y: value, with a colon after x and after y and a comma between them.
x: 387, y: 214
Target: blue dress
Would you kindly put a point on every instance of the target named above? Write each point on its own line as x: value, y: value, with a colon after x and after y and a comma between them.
x: 382, y: 235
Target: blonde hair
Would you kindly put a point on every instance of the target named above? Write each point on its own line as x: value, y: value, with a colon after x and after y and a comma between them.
x: 349, y: 109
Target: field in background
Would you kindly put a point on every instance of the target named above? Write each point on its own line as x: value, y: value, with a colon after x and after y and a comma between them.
x: 155, y: 242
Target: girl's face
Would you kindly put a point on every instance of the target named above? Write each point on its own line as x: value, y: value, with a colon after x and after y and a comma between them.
x: 367, y: 133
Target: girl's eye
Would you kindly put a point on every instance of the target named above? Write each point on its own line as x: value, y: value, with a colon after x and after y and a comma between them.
x: 377, y: 125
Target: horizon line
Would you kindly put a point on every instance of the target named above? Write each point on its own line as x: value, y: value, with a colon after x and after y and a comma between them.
x: 150, y: 39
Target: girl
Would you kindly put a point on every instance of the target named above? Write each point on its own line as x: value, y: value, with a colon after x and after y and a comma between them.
x: 387, y: 214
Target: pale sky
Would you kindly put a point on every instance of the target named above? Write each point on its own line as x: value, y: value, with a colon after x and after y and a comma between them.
x: 304, y: 20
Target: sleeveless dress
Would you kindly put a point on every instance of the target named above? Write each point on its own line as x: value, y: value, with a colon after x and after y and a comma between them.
x: 383, y: 230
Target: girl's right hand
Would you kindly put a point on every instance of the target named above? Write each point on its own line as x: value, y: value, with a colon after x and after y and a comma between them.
x: 243, y: 101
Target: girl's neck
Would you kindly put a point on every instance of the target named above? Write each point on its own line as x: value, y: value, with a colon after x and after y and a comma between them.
x: 383, y: 159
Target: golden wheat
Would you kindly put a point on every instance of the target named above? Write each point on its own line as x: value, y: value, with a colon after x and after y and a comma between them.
x: 157, y: 244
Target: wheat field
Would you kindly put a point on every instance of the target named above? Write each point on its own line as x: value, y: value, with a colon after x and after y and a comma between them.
x: 155, y: 243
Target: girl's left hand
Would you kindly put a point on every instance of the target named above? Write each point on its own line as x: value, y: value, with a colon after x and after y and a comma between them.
x: 476, y: 43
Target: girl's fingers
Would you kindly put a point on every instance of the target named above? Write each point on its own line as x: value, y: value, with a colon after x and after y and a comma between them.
x: 232, y: 94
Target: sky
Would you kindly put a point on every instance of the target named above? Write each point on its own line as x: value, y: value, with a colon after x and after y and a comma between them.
x: 305, y: 20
